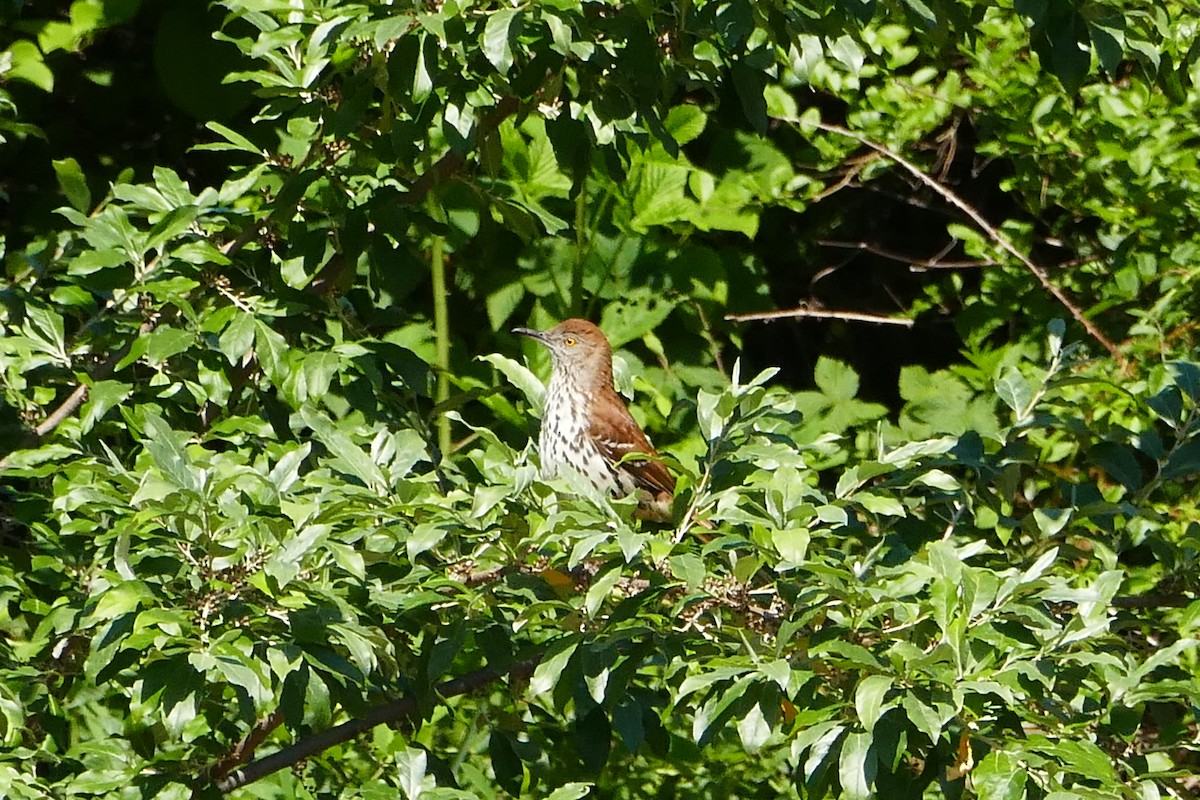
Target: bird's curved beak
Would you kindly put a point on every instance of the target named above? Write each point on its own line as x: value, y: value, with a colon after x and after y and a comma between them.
x: 531, y: 333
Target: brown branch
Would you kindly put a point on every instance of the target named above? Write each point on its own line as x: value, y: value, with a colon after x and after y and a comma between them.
x: 388, y: 713
x: 923, y: 263
x: 855, y: 169
x: 792, y: 313
x: 992, y: 232
x: 1151, y: 601
x: 244, y: 749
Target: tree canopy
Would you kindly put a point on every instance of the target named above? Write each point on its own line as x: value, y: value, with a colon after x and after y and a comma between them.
x: 904, y: 291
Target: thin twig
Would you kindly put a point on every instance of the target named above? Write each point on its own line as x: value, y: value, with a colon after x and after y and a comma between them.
x: 855, y: 169
x: 388, y: 713
x: 791, y: 313
x: 992, y: 232
x: 923, y: 263
x: 713, y: 346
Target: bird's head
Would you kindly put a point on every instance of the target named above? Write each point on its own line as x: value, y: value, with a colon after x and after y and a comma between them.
x: 574, y: 344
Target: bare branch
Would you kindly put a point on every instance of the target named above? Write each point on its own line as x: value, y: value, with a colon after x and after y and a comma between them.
x: 935, y: 262
x: 791, y: 313
x: 992, y: 232
x: 855, y: 169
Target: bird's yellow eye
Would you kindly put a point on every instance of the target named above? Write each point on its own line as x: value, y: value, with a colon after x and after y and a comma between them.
x: 569, y: 341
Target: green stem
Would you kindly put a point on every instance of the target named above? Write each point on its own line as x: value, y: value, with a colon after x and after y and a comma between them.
x: 441, y: 328
x: 581, y: 247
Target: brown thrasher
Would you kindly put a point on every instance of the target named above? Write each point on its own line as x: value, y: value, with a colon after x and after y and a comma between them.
x: 586, y: 426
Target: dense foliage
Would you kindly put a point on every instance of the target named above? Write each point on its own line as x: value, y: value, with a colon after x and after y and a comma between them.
x: 267, y: 480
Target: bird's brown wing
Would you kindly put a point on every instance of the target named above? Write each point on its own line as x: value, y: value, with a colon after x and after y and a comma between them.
x: 616, y: 436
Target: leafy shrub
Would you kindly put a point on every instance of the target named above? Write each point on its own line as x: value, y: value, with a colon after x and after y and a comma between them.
x: 265, y: 448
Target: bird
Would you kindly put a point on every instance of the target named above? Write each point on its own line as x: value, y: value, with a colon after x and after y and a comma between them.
x: 586, y: 426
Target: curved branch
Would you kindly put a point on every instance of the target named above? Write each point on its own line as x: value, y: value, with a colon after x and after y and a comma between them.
x: 391, y: 712
x: 992, y: 232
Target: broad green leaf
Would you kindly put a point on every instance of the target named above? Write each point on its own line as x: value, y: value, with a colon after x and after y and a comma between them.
x: 73, y: 184
x: 869, y: 697
x: 238, y: 337
x: 599, y: 591
x: 753, y: 729
x: 546, y: 675
x: 999, y: 776
x: 1015, y: 390
x: 835, y: 379
x: 857, y: 766
x: 685, y: 123
x: 519, y: 376
x: 166, y: 449
x: 922, y: 716
x: 500, y: 29
x: 571, y: 791
x: 410, y: 771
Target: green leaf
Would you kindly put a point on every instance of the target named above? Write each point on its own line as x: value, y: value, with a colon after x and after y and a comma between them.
x: 924, y: 718
x: 546, y: 675
x: 999, y: 776
x: 176, y: 222
x: 423, y: 538
x: 835, y: 379
x: 26, y: 65
x: 410, y: 771
x: 571, y: 791
x: 881, y: 504
x: 166, y: 449
x: 599, y: 591
x: 165, y: 342
x: 1014, y: 389
x: 660, y: 197
x: 519, y: 376
x: 792, y: 544
x: 868, y: 699
x: 689, y: 568
x: 634, y: 315
x: 236, y: 140
x: 238, y: 337
x: 753, y: 729
x: 750, y: 85
x: 1119, y: 462
x: 922, y: 13
x: 73, y: 183
x: 102, y: 397
x: 857, y: 766
x: 593, y: 739
x: 685, y: 123
x: 349, y: 457
x: 501, y: 27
